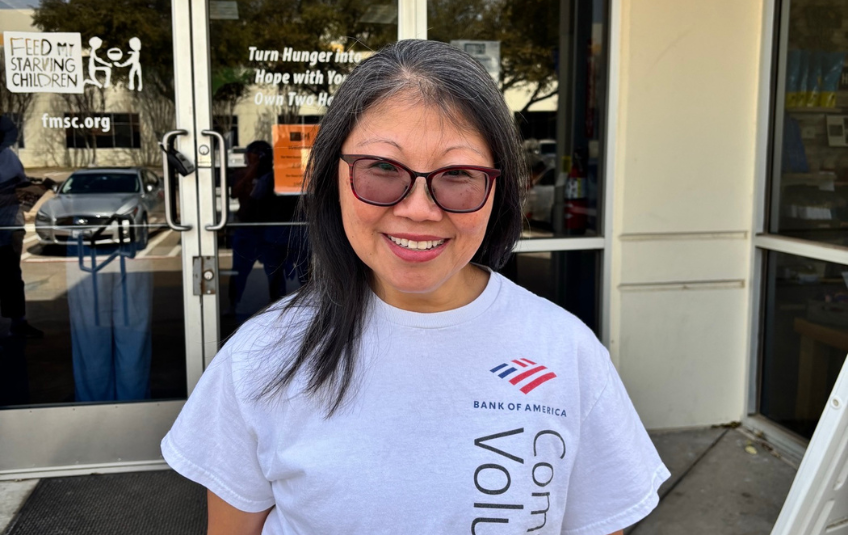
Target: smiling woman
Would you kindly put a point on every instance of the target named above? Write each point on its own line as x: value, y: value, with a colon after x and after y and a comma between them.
x: 355, y: 405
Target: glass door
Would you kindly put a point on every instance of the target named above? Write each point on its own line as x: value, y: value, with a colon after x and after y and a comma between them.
x: 274, y: 69
x: 100, y: 244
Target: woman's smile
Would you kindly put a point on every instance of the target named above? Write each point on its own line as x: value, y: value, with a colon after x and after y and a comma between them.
x: 416, y: 243
x: 415, y: 248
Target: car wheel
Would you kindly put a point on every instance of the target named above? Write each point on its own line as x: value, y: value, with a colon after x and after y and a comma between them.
x: 142, y: 234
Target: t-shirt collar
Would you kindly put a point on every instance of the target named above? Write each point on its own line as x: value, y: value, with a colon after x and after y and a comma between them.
x: 436, y: 320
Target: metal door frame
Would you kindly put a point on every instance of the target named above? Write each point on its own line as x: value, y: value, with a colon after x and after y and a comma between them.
x: 80, y: 439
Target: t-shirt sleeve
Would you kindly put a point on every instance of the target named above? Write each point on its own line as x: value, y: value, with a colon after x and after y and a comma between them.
x: 617, y: 470
x: 211, y: 443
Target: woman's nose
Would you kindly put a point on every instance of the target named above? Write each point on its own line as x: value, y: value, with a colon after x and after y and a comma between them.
x: 418, y: 205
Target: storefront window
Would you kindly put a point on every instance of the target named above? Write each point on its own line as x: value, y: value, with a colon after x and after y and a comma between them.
x: 548, y: 58
x: 804, y: 319
x: 809, y: 197
x: 568, y: 278
x: 805, y: 338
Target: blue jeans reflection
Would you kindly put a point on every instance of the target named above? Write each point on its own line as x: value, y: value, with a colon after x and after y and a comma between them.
x: 110, y: 308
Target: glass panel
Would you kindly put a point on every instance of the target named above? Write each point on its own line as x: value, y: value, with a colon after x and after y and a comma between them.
x: 549, y: 58
x: 274, y: 68
x: 568, y: 278
x: 805, y: 338
x: 810, y: 182
x: 85, y: 256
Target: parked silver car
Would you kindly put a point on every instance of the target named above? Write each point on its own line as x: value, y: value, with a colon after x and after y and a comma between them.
x: 94, y: 202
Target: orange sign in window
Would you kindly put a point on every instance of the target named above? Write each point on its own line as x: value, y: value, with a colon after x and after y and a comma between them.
x: 292, y: 144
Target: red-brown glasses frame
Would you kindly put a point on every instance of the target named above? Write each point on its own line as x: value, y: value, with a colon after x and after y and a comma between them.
x: 491, y: 175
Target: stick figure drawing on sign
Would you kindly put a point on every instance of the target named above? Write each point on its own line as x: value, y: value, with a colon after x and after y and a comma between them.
x: 134, y: 63
x: 93, y: 61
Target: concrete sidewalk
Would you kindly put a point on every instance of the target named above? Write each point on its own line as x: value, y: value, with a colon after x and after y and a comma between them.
x: 13, y: 494
x: 724, y: 481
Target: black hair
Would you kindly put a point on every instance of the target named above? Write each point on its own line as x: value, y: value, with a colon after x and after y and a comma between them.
x: 337, y: 295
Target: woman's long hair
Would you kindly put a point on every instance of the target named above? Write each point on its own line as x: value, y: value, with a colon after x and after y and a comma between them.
x: 337, y: 295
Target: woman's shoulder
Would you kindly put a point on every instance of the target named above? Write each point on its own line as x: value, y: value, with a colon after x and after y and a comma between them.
x: 273, y: 330
x: 524, y: 306
x: 253, y: 356
x: 557, y: 338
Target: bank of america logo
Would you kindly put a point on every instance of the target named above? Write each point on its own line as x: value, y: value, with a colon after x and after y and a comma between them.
x: 530, y: 374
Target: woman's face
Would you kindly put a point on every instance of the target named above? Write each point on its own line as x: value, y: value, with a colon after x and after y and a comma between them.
x: 423, y: 139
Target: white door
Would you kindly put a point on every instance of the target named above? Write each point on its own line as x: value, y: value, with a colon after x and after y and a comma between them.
x: 818, y: 500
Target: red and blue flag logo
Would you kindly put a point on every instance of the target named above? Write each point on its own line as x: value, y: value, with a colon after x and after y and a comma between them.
x: 530, y: 374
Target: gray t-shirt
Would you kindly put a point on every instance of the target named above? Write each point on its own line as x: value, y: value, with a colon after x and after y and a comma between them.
x: 502, y: 416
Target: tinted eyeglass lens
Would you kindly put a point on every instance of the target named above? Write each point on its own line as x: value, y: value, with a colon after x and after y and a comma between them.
x: 460, y: 189
x: 383, y: 182
x: 380, y: 182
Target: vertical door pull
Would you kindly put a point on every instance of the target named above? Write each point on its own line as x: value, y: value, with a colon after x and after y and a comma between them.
x: 225, y: 196
x: 183, y: 166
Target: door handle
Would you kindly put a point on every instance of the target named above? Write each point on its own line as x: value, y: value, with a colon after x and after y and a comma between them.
x: 183, y: 166
x: 225, y: 196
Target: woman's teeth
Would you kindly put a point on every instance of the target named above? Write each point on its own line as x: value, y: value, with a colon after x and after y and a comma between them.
x: 417, y: 245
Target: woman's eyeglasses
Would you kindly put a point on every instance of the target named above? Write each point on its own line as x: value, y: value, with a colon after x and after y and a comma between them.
x: 383, y: 182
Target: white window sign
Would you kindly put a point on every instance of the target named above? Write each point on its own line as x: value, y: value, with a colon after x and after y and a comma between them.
x: 222, y: 10
x: 43, y: 62
x: 487, y: 53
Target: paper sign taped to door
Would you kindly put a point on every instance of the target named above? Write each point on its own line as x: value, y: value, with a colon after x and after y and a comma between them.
x: 43, y: 62
x: 292, y: 145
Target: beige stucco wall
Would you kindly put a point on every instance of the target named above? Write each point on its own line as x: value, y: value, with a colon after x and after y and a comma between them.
x: 16, y: 20
x: 683, y: 201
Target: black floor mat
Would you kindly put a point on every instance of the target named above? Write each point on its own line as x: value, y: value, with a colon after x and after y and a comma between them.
x: 140, y: 503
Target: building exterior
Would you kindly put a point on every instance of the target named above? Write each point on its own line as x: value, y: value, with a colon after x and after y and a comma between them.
x: 678, y: 204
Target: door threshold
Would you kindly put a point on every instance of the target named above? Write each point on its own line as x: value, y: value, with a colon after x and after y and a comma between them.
x: 82, y: 470
x: 790, y: 445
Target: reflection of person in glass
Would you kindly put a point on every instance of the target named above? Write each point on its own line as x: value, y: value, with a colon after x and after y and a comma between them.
x: 109, y: 299
x: 12, y: 300
x: 541, y: 174
x: 269, y: 244
x: 407, y: 375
